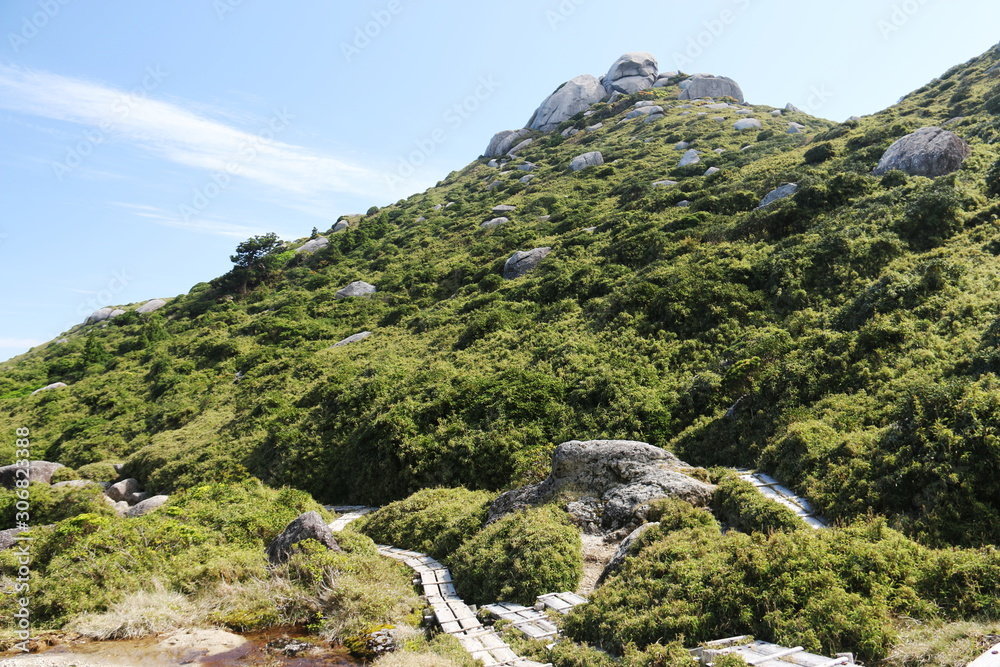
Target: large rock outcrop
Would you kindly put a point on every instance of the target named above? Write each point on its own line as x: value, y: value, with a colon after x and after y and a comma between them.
x: 707, y: 85
x: 591, y: 159
x: 631, y: 73
x: 930, y: 151
x: 100, y: 315
x: 151, y: 306
x: 38, y: 471
x: 503, y: 141
x: 571, y: 98
x: 783, y: 192
x: 523, y: 261
x: 308, y: 526
x: 611, y: 478
x: 313, y: 245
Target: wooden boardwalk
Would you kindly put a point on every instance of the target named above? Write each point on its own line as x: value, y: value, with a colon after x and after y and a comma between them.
x: 454, y: 616
x: 765, y: 654
x: 771, y: 488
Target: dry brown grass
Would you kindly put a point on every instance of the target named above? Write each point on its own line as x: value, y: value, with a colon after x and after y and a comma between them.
x: 939, y: 644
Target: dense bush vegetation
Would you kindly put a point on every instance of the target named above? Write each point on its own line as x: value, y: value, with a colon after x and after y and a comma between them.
x: 827, y: 590
x: 432, y: 521
x: 518, y: 558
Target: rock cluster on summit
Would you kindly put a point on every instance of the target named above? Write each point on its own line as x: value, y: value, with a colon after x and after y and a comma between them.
x: 631, y: 73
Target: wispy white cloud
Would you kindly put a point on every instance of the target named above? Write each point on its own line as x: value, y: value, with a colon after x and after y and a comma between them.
x: 183, y: 133
x: 206, y: 225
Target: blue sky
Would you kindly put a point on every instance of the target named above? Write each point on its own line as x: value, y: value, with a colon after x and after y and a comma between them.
x: 141, y: 141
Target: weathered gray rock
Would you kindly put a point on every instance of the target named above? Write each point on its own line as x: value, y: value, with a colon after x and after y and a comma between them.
x: 313, y: 245
x: 99, y: 315
x: 707, y: 85
x: 7, y: 537
x: 631, y: 73
x: 527, y: 179
x: 523, y: 261
x: 711, y: 170
x: 645, y: 103
x: 340, y: 226
x: 569, y: 99
x: 653, y: 117
x: 784, y: 191
x: 308, y: 526
x: 494, y: 185
x: 930, y: 151
x: 495, y: 222
x: 570, y: 132
x: 146, y: 506
x: 594, y: 128
x: 690, y: 157
x: 792, y: 108
x: 120, y: 507
x: 504, y: 208
x: 520, y: 147
x: 624, y: 551
x: 50, y: 387
x: 137, y: 497
x: 591, y: 159
x: 151, y: 306
x: 493, y: 164
x: 622, y: 474
x: 682, y: 145
x: 795, y: 128
x: 744, y: 124
x: 643, y: 111
x: 684, y: 203
x: 776, y: 112
x: 718, y: 105
x: 744, y: 112
x: 354, y: 338
x: 357, y: 288
x: 502, y: 142
x: 527, y: 166
x: 663, y: 184
x: 122, y: 490
x: 38, y: 471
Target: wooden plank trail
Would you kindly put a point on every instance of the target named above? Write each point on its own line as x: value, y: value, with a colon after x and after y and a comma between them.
x: 991, y: 658
x: 765, y: 654
x: 452, y: 614
x: 771, y: 488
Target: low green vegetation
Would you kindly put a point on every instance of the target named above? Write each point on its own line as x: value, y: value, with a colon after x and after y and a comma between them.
x: 432, y: 521
x: 202, y: 556
x: 826, y: 590
x: 518, y: 558
x: 738, y: 504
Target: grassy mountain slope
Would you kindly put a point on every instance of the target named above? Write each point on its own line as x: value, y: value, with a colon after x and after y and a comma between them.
x: 845, y: 338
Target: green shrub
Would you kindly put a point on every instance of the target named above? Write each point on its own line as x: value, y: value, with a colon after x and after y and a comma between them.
x: 518, y: 558
x: 98, y: 472
x: 737, y: 503
x: 50, y: 505
x: 820, y: 153
x: 432, y: 521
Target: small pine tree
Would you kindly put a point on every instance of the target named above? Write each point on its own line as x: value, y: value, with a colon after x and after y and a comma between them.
x: 254, y: 259
x: 93, y: 353
x: 315, y: 233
